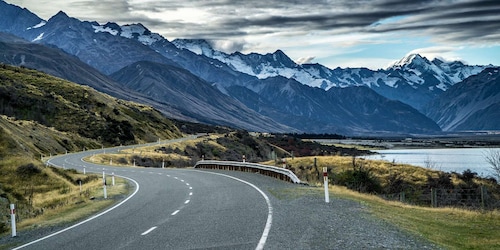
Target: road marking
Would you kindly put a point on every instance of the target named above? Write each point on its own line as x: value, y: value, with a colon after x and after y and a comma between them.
x: 187, y: 184
x: 186, y: 202
x: 87, y: 220
x: 190, y: 187
x: 269, y: 221
x: 176, y: 211
x: 191, y: 193
x: 148, y: 231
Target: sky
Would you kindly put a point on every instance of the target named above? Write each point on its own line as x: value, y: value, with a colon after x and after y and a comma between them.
x: 335, y: 33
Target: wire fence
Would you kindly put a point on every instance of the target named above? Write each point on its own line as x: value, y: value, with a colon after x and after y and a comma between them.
x: 472, y: 198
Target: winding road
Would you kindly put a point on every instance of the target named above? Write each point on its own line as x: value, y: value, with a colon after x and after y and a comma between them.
x: 169, y: 209
x: 215, y: 209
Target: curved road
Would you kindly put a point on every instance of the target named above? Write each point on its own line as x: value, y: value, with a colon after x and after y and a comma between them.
x: 169, y: 209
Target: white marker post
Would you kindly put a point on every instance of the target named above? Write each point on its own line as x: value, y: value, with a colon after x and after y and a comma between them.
x: 104, y: 185
x: 84, y: 172
x: 325, y: 179
x: 163, y: 164
x: 244, y: 158
x: 13, y: 219
x: 112, y: 178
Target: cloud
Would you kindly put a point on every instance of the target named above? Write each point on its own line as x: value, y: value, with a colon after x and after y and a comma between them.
x: 264, y: 26
x: 305, y: 60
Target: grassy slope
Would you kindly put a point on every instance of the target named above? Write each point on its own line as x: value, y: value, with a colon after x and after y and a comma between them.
x: 69, y: 107
x: 43, y: 115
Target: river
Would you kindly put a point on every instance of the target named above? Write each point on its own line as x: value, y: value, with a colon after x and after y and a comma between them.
x: 444, y: 159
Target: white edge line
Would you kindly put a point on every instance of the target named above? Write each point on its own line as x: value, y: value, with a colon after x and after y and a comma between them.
x: 176, y: 211
x: 87, y: 220
x: 149, y: 230
x: 269, y: 222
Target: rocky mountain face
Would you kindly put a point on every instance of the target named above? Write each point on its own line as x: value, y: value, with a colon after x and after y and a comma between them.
x: 256, y: 92
x: 473, y: 104
x: 413, y: 80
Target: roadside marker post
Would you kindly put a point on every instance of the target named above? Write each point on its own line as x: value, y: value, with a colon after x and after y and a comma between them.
x: 112, y: 178
x: 13, y: 219
x: 244, y: 158
x: 104, y: 184
x: 84, y: 172
x: 325, y: 180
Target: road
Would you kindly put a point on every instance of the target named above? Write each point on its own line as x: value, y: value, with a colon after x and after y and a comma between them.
x: 169, y: 209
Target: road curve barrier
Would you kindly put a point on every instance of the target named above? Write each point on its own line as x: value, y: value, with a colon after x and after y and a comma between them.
x: 276, y: 172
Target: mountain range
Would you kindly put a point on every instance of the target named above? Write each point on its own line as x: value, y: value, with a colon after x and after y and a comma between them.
x: 189, y: 80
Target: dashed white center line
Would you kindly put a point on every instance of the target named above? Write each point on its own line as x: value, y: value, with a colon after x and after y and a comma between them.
x: 187, y: 201
x: 148, y: 231
x: 187, y: 184
x: 191, y: 193
x: 176, y: 211
x: 190, y: 187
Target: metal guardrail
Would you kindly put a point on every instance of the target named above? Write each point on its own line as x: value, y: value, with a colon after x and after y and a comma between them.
x: 279, y: 173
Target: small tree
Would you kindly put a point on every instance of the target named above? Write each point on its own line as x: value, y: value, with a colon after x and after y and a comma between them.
x: 492, y: 156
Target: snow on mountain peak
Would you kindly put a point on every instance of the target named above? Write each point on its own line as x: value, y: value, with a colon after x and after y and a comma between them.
x: 131, y: 31
x: 414, y: 59
x: 197, y: 46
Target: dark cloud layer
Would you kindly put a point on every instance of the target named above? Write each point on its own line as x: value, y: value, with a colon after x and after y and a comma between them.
x: 455, y: 20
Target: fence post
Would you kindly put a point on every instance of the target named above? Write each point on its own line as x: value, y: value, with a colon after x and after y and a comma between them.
x: 433, y: 197
x: 483, y: 196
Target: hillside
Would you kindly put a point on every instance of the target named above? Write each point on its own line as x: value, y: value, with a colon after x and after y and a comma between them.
x: 41, y: 115
x: 472, y: 104
x: 68, y: 107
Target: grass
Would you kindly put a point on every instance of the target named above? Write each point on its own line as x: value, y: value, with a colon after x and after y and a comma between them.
x: 450, y: 228
x: 80, y: 206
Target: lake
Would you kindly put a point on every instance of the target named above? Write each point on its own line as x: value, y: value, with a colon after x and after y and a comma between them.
x: 444, y: 159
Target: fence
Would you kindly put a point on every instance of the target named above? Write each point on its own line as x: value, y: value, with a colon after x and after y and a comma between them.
x: 475, y: 198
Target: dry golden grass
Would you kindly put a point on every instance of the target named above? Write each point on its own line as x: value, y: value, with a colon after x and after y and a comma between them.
x: 77, y: 205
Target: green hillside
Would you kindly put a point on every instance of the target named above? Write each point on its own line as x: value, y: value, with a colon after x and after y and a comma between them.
x: 69, y: 107
x: 42, y: 115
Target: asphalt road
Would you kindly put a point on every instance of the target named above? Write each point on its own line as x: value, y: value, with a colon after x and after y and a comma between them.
x: 211, y: 209
x: 170, y: 209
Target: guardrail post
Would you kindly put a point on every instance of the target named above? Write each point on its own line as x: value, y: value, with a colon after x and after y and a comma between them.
x: 13, y: 219
x: 325, y: 180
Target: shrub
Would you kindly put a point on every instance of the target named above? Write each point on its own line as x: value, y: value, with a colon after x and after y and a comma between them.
x: 361, y: 180
x: 28, y: 170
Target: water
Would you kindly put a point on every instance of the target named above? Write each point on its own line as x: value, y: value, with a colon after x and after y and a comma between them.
x: 444, y: 159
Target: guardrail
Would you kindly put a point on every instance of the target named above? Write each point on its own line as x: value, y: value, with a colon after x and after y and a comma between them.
x: 279, y: 173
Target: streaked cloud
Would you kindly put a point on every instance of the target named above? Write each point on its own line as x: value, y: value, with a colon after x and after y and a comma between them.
x: 264, y: 26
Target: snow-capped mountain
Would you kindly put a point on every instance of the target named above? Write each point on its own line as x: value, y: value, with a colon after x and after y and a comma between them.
x: 473, y: 104
x: 413, y: 72
x: 258, y: 92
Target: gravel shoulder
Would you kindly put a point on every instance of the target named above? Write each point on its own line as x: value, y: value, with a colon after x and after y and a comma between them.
x: 302, y: 220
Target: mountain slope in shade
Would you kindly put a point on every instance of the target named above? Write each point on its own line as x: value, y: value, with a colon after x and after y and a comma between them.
x: 352, y: 110
x: 53, y: 61
x: 197, y: 98
x: 473, y: 104
x: 413, y: 80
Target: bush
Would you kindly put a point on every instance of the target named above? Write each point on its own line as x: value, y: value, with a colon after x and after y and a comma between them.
x: 27, y: 171
x: 361, y: 180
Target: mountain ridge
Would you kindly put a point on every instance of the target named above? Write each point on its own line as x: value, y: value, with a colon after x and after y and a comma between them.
x: 110, y: 48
